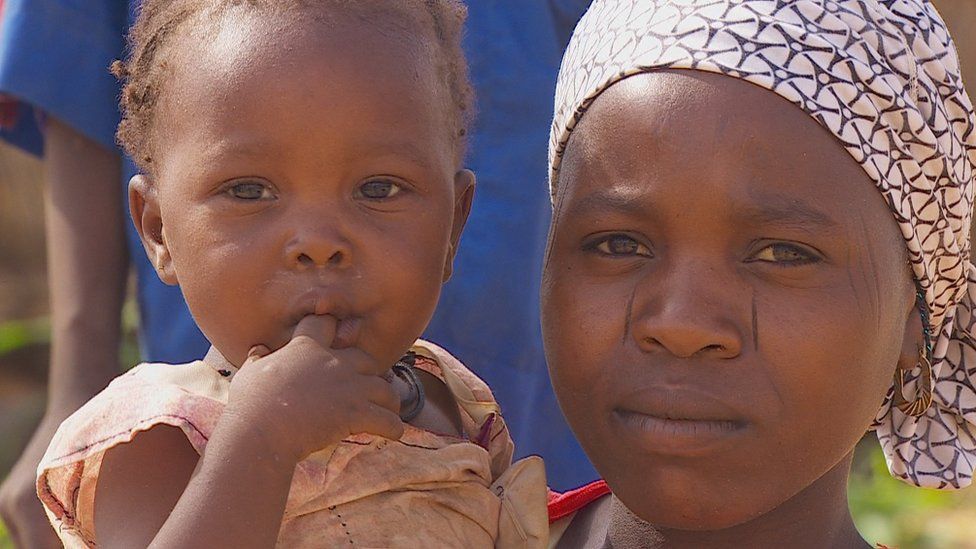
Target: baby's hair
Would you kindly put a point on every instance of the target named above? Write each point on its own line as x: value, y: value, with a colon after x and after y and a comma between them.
x: 162, y: 23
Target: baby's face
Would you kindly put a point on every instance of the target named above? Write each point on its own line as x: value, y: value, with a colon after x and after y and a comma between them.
x: 298, y: 172
x: 725, y: 300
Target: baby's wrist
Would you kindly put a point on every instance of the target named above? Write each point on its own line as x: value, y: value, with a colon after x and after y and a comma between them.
x: 250, y: 437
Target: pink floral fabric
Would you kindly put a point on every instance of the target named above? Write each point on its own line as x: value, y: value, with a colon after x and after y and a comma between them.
x: 424, y: 490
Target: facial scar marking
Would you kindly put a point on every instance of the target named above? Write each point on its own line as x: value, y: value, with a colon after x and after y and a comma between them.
x: 628, y: 313
x: 755, y: 324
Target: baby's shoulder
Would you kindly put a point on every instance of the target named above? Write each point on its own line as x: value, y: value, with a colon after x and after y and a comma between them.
x: 462, y: 382
x: 481, y: 415
x: 188, y: 397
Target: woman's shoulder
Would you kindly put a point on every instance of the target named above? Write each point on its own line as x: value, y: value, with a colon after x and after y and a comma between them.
x: 564, y: 508
x: 564, y: 504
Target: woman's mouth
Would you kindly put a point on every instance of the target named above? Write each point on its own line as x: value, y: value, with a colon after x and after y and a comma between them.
x: 677, y: 423
x: 676, y: 436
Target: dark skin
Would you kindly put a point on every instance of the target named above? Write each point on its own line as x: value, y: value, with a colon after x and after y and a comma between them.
x: 308, y: 200
x: 726, y: 298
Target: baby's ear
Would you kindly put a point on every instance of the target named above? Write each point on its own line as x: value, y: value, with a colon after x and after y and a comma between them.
x: 144, y: 209
x: 464, y: 183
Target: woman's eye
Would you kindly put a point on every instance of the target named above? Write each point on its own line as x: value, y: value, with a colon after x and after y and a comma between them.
x: 621, y: 245
x: 250, y: 190
x: 378, y: 189
x: 789, y: 254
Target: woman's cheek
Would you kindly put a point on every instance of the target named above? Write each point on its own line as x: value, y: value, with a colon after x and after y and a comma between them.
x: 816, y: 353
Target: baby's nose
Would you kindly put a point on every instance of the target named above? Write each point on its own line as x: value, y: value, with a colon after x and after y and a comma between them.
x: 318, y: 247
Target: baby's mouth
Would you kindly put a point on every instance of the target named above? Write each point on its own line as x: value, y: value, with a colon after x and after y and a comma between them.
x: 331, y: 302
x: 347, y: 333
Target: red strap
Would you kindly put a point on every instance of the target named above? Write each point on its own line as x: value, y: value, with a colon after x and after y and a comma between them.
x: 565, y: 504
x: 9, y: 107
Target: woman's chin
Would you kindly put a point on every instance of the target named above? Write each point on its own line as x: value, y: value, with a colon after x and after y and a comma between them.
x: 681, y: 508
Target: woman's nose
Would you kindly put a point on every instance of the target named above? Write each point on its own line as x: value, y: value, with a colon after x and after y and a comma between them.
x: 693, y: 312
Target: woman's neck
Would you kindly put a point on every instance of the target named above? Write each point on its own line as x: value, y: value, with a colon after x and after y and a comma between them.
x: 816, y: 517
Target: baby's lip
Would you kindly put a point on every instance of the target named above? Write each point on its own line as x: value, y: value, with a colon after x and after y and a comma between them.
x: 321, y: 301
x: 347, y: 333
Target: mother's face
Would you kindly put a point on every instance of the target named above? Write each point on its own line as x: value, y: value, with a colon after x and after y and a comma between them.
x: 725, y: 299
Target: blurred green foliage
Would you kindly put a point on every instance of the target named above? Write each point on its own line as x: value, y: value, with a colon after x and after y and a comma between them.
x: 891, y: 512
x: 19, y: 334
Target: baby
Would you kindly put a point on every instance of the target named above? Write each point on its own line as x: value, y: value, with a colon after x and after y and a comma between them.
x: 302, y: 184
x: 759, y: 251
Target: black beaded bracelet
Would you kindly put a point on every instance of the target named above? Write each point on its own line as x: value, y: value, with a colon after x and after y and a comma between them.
x: 404, y: 369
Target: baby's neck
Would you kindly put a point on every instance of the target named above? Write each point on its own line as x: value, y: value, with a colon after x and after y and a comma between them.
x: 817, y: 517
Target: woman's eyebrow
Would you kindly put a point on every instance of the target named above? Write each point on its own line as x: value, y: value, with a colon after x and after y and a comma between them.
x: 604, y: 201
x: 787, y: 212
x: 768, y: 210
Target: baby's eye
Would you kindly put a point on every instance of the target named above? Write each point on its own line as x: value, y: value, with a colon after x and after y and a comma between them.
x: 250, y: 190
x: 620, y: 245
x: 378, y: 189
x: 784, y: 253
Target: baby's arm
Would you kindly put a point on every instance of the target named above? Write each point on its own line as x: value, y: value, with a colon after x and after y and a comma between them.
x: 145, y: 496
x: 282, y: 407
x: 139, y: 484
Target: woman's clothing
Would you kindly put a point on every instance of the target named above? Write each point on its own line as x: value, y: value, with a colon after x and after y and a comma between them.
x: 426, y: 489
x: 563, y: 507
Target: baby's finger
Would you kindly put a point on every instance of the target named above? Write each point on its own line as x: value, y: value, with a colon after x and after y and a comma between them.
x: 256, y: 352
x: 383, y: 393
x: 382, y: 422
x: 318, y: 328
x: 362, y: 362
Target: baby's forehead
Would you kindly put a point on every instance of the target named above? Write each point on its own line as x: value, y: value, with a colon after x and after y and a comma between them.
x: 237, y: 44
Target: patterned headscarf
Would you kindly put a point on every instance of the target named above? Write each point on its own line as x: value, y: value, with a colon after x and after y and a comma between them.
x: 883, y: 77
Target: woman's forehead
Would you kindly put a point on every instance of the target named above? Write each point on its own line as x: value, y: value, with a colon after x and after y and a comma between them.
x: 720, y: 143
x: 690, y: 121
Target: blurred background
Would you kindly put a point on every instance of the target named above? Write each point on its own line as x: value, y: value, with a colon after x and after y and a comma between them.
x: 884, y: 509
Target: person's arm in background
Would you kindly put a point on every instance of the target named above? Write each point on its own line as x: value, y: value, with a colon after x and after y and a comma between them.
x: 87, y: 269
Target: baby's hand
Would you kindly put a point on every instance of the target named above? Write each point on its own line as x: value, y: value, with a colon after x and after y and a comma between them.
x: 306, y: 396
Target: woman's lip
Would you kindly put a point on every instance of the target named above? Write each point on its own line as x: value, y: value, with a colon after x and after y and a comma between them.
x: 676, y: 436
x: 679, y: 402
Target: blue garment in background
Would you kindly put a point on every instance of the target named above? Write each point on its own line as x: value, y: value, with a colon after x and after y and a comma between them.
x: 489, y: 312
x: 54, y: 55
